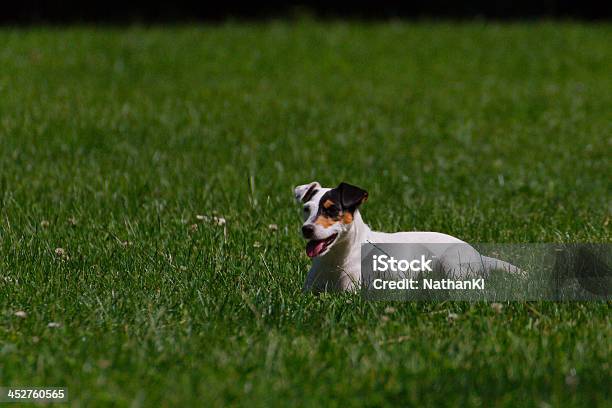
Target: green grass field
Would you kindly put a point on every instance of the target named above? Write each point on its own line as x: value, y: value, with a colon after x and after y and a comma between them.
x: 113, y: 141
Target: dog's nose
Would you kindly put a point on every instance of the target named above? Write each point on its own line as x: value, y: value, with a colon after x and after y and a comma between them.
x: 307, y: 231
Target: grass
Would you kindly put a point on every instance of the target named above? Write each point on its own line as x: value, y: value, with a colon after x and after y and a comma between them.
x: 113, y: 140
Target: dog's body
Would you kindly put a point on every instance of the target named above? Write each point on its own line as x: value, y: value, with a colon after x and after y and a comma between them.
x: 335, y: 230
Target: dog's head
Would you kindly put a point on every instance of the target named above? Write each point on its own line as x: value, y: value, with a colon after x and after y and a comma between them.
x: 328, y: 214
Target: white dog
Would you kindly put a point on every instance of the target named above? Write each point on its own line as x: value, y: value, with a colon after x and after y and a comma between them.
x: 335, y: 231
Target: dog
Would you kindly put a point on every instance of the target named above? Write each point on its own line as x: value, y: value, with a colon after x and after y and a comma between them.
x: 334, y: 231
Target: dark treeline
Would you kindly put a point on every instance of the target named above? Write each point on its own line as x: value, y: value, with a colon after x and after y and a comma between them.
x: 114, y: 11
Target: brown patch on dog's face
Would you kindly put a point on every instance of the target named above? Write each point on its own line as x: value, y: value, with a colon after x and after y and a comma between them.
x: 347, y: 217
x: 328, y: 203
x: 325, y: 221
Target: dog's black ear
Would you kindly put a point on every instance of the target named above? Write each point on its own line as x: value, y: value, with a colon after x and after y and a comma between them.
x: 351, y: 196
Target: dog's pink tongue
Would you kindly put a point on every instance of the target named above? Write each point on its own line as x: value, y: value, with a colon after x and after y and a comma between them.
x: 314, y: 248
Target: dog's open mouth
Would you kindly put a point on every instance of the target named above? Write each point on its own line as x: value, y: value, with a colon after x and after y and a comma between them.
x: 316, y: 247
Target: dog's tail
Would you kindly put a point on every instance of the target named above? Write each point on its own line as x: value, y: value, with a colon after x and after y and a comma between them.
x: 494, y: 264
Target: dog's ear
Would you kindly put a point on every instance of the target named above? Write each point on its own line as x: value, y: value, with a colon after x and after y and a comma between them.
x: 351, y: 196
x: 305, y: 192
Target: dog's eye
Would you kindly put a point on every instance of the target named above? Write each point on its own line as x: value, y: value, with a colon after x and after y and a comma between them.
x: 332, y: 211
x: 305, y: 209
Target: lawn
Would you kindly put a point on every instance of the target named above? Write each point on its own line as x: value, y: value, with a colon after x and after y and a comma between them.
x: 119, y: 146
